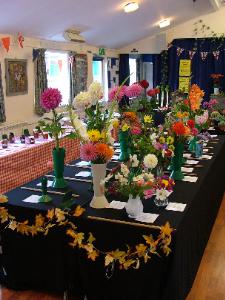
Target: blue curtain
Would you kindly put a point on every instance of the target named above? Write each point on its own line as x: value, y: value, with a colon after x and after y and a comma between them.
x: 201, y: 69
x: 157, y: 75
x: 124, y: 68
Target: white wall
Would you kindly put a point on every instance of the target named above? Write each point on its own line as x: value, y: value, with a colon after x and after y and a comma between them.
x: 21, y: 108
x: 157, y: 43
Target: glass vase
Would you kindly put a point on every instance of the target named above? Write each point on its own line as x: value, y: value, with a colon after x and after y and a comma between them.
x: 134, y: 206
x: 161, y: 202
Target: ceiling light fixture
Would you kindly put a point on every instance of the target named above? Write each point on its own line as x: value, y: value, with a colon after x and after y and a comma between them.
x: 164, y: 23
x: 130, y: 7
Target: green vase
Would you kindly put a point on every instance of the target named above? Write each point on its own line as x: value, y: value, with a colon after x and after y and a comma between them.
x: 58, y: 163
x: 192, y: 144
x: 177, y: 161
x: 125, y: 150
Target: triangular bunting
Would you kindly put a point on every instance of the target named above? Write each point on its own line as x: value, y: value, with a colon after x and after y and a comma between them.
x: 6, y: 43
x: 191, y: 54
x: 179, y: 51
x: 204, y: 54
x: 216, y: 54
x: 20, y: 39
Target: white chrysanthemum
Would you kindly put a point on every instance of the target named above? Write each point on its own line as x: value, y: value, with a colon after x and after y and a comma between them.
x: 82, y: 100
x: 150, y: 161
x: 96, y: 92
x: 134, y: 161
x: 162, y: 194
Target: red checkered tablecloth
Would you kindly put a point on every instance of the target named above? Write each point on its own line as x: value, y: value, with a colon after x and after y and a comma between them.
x: 27, y: 164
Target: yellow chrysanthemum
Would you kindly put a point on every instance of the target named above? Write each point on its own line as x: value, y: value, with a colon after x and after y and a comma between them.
x: 170, y: 140
x: 94, y: 135
x: 148, y: 119
x: 171, y: 147
x: 162, y: 140
x: 125, y: 127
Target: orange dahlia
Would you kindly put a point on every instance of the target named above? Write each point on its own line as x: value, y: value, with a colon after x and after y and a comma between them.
x: 178, y: 128
x: 104, y: 151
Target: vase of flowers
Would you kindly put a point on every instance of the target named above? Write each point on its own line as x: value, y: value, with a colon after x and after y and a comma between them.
x: 94, y: 132
x: 50, y: 100
x: 163, y: 188
x: 134, y: 206
x: 216, y: 82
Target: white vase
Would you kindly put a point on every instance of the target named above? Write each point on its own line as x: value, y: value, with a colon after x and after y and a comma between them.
x: 216, y: 91
x: 98, y: 173
x: 134, y: 206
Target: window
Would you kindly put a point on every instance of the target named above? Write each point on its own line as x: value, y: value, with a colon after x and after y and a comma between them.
x: 99, y: 67
x: 133, y: 70
x: 58, y: 73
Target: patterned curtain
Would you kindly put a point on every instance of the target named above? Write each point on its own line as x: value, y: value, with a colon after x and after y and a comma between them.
x: 40, y: 74
x: 113, y: 71
x: 2, y: 102
x: 79, y: 73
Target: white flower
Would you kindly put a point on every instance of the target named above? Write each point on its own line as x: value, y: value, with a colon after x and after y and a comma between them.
x: 138, y: 178
x: 82, y: 100
x: 150, y: 161
x: 134, y: 161
x: 153, y: 136
x: 162, y: 194
x: 107, y: 178
x: 124, y: 169
x: 148, y: 177
x: 80, y: 127
x: 96, y: 92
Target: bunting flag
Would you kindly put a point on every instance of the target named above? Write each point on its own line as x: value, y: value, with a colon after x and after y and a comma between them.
x: 20, y: 39
x: 6, y: 43
x: 179, y: 51
x: 191, y: 54
x: 216, y: 54
x: 71, y: 60
x: 204, y: 54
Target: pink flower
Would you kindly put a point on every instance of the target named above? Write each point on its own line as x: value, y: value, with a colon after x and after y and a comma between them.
x: 115, y: 95
x: 136, y: 130
x: 88, y: 152
x: 194, y: 131
x: 50, y: 99
x: 148, y: 194
x: 134, y: 90
x: 157, y: 146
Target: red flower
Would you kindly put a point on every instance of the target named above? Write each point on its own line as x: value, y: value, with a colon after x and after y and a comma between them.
x: 151, y: 93
x: 144, y: 83
x: 186, y: 102
x: 179, y: 128
x: 168, y: 153
x: 191, y: 123
x: 157, y: 91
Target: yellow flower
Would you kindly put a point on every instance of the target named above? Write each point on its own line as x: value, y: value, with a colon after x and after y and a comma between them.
x: 171, y: 147
x: 103, y: 135
x: 179, y: 115
x: 162, y: 140
x: 165, y: 182
x: 170, y: 140
x: 94, y: 135
x: 125, y: 127
x: 148, y: 119
x: 115, y: 123
x: 186, y: 114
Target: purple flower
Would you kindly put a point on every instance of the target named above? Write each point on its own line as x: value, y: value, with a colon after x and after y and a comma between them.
x: 50, y: 99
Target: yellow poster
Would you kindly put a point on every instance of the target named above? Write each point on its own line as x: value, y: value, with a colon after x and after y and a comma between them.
x: 184, y: 83
x: 185, y: 67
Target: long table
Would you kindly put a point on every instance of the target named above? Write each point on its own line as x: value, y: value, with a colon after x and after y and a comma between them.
x: 47, y: 262
x: 27, y: 162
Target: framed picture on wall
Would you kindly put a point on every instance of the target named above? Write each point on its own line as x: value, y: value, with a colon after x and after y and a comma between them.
x: 16, y: 77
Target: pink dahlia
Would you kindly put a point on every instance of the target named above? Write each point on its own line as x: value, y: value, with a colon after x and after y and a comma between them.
x: 88, y: 152
x: 117, y: 93
x: 134, y: 90
x: 50, y: 99
x: 136, y: 130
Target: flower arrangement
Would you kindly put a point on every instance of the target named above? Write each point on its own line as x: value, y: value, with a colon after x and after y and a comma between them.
x: 216, y: 79
x: 95, y: 132
x: 50, y: 100
x: 163, y: 187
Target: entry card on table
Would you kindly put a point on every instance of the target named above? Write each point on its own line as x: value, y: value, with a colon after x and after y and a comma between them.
x: 190, y: 178
x: 187, y: 155
x: 176, y: 206
x: 117, y: 204
x: 191, y: 162
x: 187, y: 170
x: 83, y: 174
x: 115, y: 157
x: 83, y: 163
x: 116, y: 144
x: 32, y: 199
x: 117, y: 151
x: 48, y: 185
x: 147, y: 217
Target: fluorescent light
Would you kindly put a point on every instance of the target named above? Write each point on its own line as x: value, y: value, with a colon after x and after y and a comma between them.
x: 164, y: 23
x: 130, y: 7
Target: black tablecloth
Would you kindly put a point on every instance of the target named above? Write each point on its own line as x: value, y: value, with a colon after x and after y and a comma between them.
x: 47, y: 262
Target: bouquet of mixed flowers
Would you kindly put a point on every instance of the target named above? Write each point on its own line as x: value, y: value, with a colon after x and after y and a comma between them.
x: 216, y: 79
x: 94, y: 131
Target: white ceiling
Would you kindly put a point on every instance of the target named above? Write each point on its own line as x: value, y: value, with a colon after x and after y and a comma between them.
x: 102, y: 22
